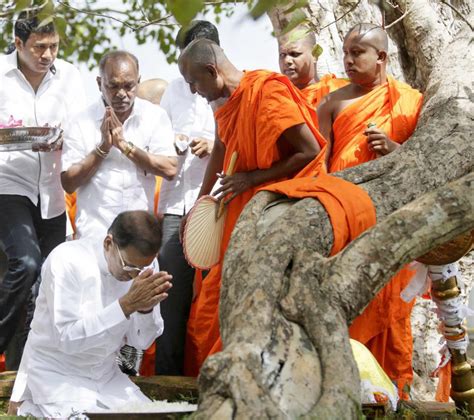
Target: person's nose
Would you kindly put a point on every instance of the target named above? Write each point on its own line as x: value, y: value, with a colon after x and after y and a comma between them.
x: 288, y: 60
x: 121, y: 93
x: 48, y: 54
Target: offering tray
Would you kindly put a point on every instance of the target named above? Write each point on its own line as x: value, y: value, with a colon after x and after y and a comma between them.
x: 25, y: 138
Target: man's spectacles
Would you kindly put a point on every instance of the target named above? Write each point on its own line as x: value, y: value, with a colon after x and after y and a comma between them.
x: 129, y: 269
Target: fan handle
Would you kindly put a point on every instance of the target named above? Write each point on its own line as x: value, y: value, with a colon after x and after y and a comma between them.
x: 230, y: 171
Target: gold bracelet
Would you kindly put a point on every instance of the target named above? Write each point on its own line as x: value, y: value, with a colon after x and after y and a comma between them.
x: 129, y: 149
x: 101, y: 153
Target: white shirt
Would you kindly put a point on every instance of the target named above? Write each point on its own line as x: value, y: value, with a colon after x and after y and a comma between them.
x: 192, y: 116
x: 77, y: 330
x: 118, y: 185
x: 58, y: 98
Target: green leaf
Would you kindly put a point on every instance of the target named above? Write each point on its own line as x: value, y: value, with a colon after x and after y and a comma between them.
x: 297, y: 5
x: 297, y: 18
x: 46, y: 15
x: 185, y: 11
x: 46, y: 21
x: 61, y: 25
x: 297, y: 34
x: 317, y: 51
x: 262, y: 7
x: 22, y: 4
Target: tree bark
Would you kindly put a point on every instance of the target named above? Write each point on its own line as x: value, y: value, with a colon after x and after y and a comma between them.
x: 285, y: 307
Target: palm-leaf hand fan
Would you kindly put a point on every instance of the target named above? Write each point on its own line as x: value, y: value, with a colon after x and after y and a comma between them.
x: 205, y: 227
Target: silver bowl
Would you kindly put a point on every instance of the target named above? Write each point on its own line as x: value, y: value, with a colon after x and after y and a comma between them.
x: 25, y: 138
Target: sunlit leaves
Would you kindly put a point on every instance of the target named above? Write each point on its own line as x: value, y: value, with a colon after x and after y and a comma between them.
x: 22, y: 4
x: 185, y: 11
x: 317, y: 51
x: 298, y: 18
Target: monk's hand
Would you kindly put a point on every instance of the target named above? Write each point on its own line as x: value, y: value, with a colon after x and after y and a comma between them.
x: 147, y: 290
x: 233, y: 185
x: 379, y: 142
x: 201, y: 147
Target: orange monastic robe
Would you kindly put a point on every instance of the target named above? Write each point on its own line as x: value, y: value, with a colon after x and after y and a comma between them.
x: 394, y: 107
x: 316, y: 91
x: 263, y: 106
x: 384, y: 326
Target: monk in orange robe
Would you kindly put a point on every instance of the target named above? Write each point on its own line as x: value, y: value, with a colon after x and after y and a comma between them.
x: 393, y: 108
x: 298, y: 62
x: 263, y: 117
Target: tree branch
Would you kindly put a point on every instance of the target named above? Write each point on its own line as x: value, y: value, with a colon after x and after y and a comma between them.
x: 399, y: 239
x: 458, y: 13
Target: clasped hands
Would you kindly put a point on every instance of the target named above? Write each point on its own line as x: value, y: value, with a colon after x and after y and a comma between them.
x: 147, y: 290
x: 379, y: 142
x: 111, y: 130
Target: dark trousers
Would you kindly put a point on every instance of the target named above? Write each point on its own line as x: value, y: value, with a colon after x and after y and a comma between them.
x: 26, y: 239
x: 175, y: 308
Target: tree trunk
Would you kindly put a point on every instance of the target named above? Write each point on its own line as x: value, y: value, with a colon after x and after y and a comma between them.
x: 285, y: 307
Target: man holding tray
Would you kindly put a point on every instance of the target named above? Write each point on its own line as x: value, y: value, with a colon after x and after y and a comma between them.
x: 36, y: 89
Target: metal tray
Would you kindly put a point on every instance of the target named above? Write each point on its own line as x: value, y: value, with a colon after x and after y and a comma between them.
x: 24, y: 138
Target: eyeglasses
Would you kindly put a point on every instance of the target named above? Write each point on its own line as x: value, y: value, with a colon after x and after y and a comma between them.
x: 127, y: 268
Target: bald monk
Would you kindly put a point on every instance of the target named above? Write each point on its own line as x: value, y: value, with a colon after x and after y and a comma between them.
x: 263, y: 117
x: 298, y: 63
x: 152, y: 90
x: 344, y: 115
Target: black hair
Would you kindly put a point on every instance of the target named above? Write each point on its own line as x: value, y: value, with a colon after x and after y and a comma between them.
x: 138, y: 229
x: 28, y: 23
x: 197, y: 29
x: 116, y: 55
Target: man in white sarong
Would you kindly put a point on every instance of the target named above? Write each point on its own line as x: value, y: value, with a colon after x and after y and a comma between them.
x: 95, y: 297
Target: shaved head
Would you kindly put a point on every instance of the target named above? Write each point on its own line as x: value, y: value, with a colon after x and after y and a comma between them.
x: 202, y: 52
x: 152, y: 90
x: 207, y: 70
x: 370, y: 33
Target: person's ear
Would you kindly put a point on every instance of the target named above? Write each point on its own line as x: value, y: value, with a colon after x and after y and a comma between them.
x: 19, y: 44
x: 108, y: 241
x: 212, y: 70
x: 382, y: 57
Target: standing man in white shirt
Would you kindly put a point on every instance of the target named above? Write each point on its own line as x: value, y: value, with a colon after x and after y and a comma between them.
x: 37, y: 89
x: 193, y: 122
x: 96, y: 295
x: 114, y: 149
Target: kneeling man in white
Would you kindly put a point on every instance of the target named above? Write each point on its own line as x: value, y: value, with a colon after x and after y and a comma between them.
x: 95, y: 296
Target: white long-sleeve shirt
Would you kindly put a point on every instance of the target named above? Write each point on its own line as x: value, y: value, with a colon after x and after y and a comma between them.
x: 191, y: 115
x: 77, y: 329
x: 118, y: 184
x: 58, y: 98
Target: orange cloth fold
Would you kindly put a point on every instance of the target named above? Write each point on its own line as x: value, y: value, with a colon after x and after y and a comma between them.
x: 71, y: 208
x: 384, y: 326
x: 258, y: 112
x: 316, y: 91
